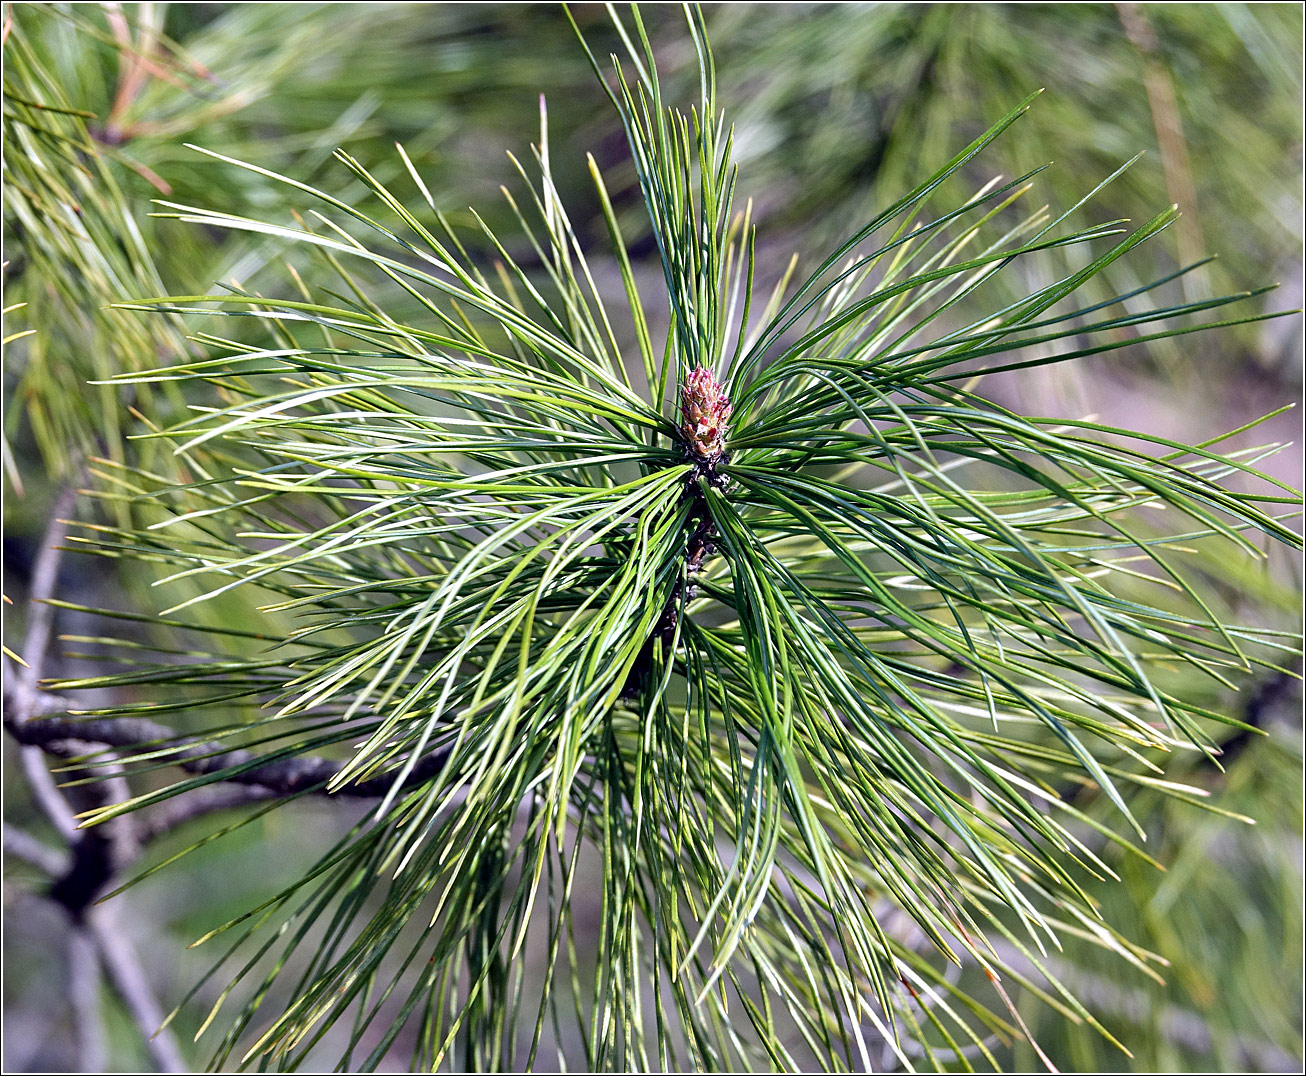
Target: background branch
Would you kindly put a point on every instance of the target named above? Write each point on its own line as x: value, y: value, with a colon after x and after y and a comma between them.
x: 93, y: 857
x: 130, y: 981
x: 164, y: 817
x: 70, y: 737
x: 36, y: 853
x: 84, y: 999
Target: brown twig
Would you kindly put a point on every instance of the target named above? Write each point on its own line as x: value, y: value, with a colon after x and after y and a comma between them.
x: 72, y: 737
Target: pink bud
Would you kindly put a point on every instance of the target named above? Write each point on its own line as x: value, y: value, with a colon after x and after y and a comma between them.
x: 704, y: 411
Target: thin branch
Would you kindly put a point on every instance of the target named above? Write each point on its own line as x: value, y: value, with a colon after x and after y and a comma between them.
x: 200, y: 757
x: 84, y: 1000
x: 45, y: 572
x: 94, y: 856
x: 23, y: 700
x: 111, y: 786
x: 101, y: 852
x: 129, y: 979
x: 46, y: 792
x: 164, y: 817
x: 28, y: 716
x: 36, y: 853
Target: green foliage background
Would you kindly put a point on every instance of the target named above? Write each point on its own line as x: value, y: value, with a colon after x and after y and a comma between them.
x: 838, y: 107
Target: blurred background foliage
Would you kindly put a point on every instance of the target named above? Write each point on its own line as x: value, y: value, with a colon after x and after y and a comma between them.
x: 837, y: 109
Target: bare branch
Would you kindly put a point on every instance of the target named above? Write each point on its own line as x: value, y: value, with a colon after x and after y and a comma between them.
x: 22, y: 699
x: 93, y: 858
x: 22, y: 845
x: 84, y: 999
x: 129, y: 979
x: 285, y: 776
x: 45, y: 573
x: 46, y: 793
x: 168, y: 815
x: 31, y: 717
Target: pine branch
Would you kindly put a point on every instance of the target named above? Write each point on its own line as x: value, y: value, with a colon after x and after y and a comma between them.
x: 795, y: 664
